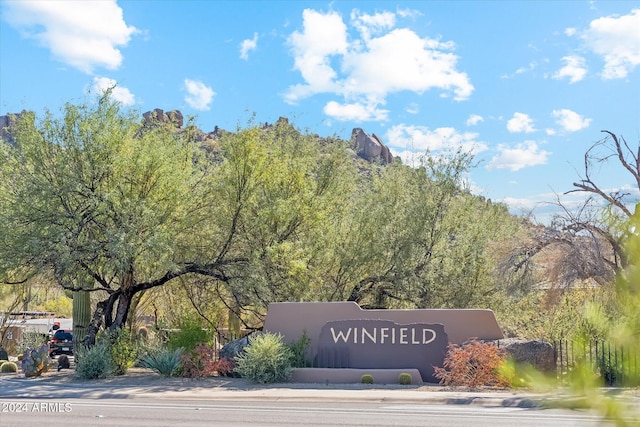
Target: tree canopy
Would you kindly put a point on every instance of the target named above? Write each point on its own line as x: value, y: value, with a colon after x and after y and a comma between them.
x: 98, y: 202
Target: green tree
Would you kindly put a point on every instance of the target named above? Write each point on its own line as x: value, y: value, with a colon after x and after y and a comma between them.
x: 283, y: 191
x: 94, y: 194
x: 416, y: 238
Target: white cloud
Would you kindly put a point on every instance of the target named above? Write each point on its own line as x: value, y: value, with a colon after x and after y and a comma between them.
x: 520, y: 123
x: 247, y: 46
x: 412, y: 108
x: 199, y: 96
x: 118, y: 93
x: 364, y: 70
x: 575, y: 69
x: 82, y: 34
x: 421, y: 139
x: 571, y: 31
x: 532, y: 66
x: 368, y: 25
x: 474, y: 119
x: 617, y: 40
x: 523, y: 155
x: 323, y: 36
x: 355, y: 112
x: 570, y: 120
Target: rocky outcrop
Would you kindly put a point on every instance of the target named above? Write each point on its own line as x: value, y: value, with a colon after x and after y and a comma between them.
x: 370, y: 147
x: 366, y: 146
x: 7, y: 125
x: 173, y: 117
x: 539, y: 354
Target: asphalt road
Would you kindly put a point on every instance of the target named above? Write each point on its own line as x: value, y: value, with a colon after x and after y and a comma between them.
x: 148, y: 412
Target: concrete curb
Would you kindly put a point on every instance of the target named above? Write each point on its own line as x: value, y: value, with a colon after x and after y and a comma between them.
x: 28, y: 388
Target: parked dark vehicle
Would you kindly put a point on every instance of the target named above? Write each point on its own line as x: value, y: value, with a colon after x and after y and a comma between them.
x: 61, y: 343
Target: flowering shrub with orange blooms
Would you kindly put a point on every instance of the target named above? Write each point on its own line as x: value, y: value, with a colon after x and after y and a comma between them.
x: 474, y: 364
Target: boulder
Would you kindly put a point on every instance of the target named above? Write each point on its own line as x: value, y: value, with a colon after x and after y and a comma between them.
x: 156, y: 116
x: 370, y: 147
x: 539, y: 354
x: 233, y: 348
x: 175, y: 118
x: 8, y: 124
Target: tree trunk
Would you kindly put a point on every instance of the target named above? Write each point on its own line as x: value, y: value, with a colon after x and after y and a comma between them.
x: 96, y: 323
x: 122, y: 312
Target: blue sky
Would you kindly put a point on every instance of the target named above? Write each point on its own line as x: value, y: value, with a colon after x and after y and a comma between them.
x: 526, y: 85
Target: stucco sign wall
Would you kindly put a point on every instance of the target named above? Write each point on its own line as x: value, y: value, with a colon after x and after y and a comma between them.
x: 345, y: 336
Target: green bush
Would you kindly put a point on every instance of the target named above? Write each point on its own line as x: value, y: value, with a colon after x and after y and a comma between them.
x: 300, y: 351
x: 188, y: 337
x: 2, y: 361
x: 123, y: 350
x: 164, y: 361
x: 265, y: 360
x: 95, y: 362
x: 405, y: 378
x: 31, y: 339
x: 366, y: 379
x: 8, y: 367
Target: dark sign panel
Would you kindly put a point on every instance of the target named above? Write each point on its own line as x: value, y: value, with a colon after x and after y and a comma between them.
x: 381, y: 344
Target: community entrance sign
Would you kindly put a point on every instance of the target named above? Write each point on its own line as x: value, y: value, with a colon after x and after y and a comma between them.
x: 345, y: 336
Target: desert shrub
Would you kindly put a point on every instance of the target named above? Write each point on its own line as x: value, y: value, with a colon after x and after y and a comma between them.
x: 300, y: 351
x: 474, y: 364
x: 405, y: 378
x: 123, y: 350
x: 199, y: 362
x: 35, y: 361
x: 188, y: 337
x: 95, y: 362
x: 366, y: 379
x: 265, y: 360
x: 8, y: 367
x: 164, y: 361
x: 225, y: 367
x: 31, y: 339
x: 2, y: 361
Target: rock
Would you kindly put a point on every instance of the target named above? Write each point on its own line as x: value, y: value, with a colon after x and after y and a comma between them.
x: 8, y: 123
x: 233, y: 348
x: 63, y: 362
x: 370, y: 147
x: 175, y: 118
x: 538, y: 354
x: 156, y: 116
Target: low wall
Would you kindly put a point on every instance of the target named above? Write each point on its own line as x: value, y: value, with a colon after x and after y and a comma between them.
x: 351, y: 375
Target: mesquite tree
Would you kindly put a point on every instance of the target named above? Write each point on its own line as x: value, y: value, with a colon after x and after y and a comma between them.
x: 94, y: 194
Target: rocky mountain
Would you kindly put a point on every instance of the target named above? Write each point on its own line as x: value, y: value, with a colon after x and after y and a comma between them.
x: 367, y: 146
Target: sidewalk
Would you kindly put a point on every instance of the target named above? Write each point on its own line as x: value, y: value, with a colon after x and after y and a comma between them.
x: 144, y: 384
